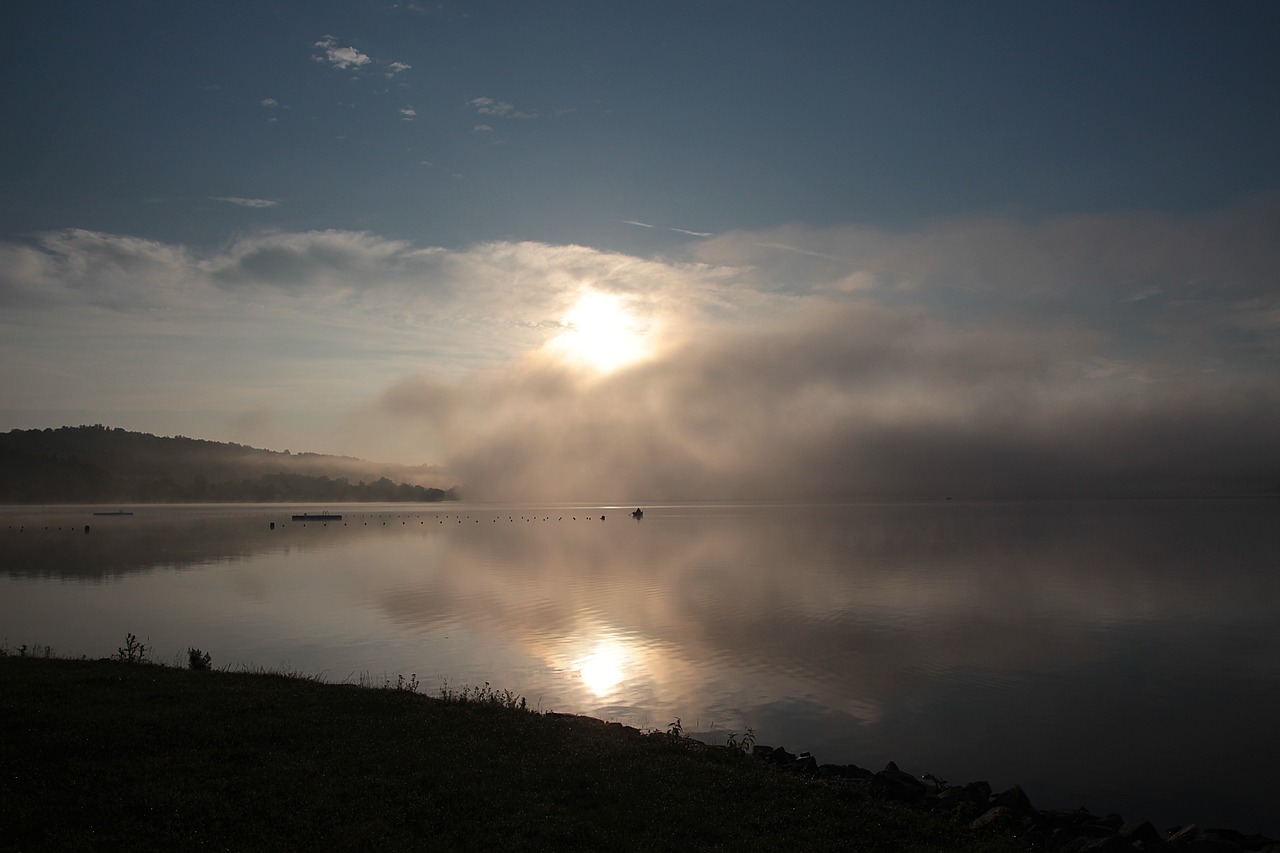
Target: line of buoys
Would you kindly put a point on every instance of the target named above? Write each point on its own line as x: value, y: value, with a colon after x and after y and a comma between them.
x: 639, y: 513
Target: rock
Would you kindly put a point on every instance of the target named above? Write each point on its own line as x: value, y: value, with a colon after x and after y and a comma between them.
x: 977, y: 794
x: 1016, y: 799
x: 954, y: 797
x: 894, y: 784
x: 780, y: 756
x: 1068, y: 821
x: 1247, y: 842
x: 1208, y: 844
x: 1071, y: 838
x: 1183, y: 835
x: 979, y: 791
x: 994, y: 817
x: 804, y: 763
x: 844, y: 771
x: 1141, y: 832
x: 1001, y: 818
x: 1107, y: 844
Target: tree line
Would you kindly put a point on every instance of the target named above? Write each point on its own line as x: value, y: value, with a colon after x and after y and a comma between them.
x: 95, y: 464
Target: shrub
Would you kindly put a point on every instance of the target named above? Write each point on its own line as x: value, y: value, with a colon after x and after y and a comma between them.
x: 133, y: 650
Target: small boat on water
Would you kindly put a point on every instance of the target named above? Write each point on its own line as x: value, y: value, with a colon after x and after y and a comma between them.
x: 317, y: 516
x: 638, y: 514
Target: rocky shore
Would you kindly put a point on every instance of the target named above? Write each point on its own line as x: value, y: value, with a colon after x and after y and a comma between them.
x: 1056, y: 831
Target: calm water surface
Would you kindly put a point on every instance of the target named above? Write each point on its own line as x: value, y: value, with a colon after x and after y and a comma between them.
x: 1121, y: 656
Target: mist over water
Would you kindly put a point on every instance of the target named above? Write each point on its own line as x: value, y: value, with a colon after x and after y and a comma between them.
x: 1117, y: 655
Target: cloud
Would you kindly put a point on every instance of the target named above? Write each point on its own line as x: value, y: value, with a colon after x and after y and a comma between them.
x: 975, y: 358
x: 849, y: 402
x: 500, y: 109
x: 269, y: 102
x: 972, y: 358
x: 351, y: 59
x: 342, y: 58
x: 408, y: 113
x: 482, y: 128
x: 245, y: 202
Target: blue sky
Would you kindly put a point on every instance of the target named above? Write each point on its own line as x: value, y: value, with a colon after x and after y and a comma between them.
x: 413, y: 231
x: 136, y: 117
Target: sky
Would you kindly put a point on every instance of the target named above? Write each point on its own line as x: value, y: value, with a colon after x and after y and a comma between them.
x: 656, y: 251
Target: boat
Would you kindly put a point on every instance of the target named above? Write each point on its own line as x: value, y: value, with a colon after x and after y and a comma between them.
x: 114, y: 512
x: 638, y: 514
x: 317, y: 516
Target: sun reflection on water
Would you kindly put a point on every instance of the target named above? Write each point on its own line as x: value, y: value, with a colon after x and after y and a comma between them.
x: 606, y: 666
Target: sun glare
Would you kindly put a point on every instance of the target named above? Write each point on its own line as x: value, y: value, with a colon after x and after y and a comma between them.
x: 604, y: 668
x: 600, y: 332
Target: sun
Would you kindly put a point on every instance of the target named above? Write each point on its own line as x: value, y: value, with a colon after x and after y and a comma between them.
x: 600, y: 332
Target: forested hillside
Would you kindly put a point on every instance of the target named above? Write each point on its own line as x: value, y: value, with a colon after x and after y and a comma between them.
x: 97, y: 464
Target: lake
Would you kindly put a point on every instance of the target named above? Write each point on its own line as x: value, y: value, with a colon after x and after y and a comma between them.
x: 1116, y: 655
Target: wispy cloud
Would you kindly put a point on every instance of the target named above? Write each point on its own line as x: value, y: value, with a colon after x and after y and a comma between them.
x: 499, y: 109
x: 408, y: 113
x: 245, y: 202
x: 668, y: 228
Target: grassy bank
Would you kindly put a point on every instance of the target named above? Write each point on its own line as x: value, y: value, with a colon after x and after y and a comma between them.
x: 111, y: 755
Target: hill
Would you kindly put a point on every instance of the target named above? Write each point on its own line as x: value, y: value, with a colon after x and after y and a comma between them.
x: 98, y: 464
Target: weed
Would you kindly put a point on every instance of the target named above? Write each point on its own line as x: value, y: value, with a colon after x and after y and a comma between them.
x: 485, y: 695
x: 410, y: 686
x: 742, y: 744
x: 197, y: 659
x: 675, y: 731
x: 282, y: 672
x: 133, y: 650
x: 25, y: 651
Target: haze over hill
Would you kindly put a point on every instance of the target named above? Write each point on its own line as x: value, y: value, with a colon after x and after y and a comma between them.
x: 94, y: 464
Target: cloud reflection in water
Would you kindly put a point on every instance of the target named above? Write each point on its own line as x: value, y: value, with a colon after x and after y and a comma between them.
x: 1022, y: 642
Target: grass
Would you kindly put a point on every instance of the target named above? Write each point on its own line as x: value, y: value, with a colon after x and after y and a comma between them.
x: 115, y: 755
